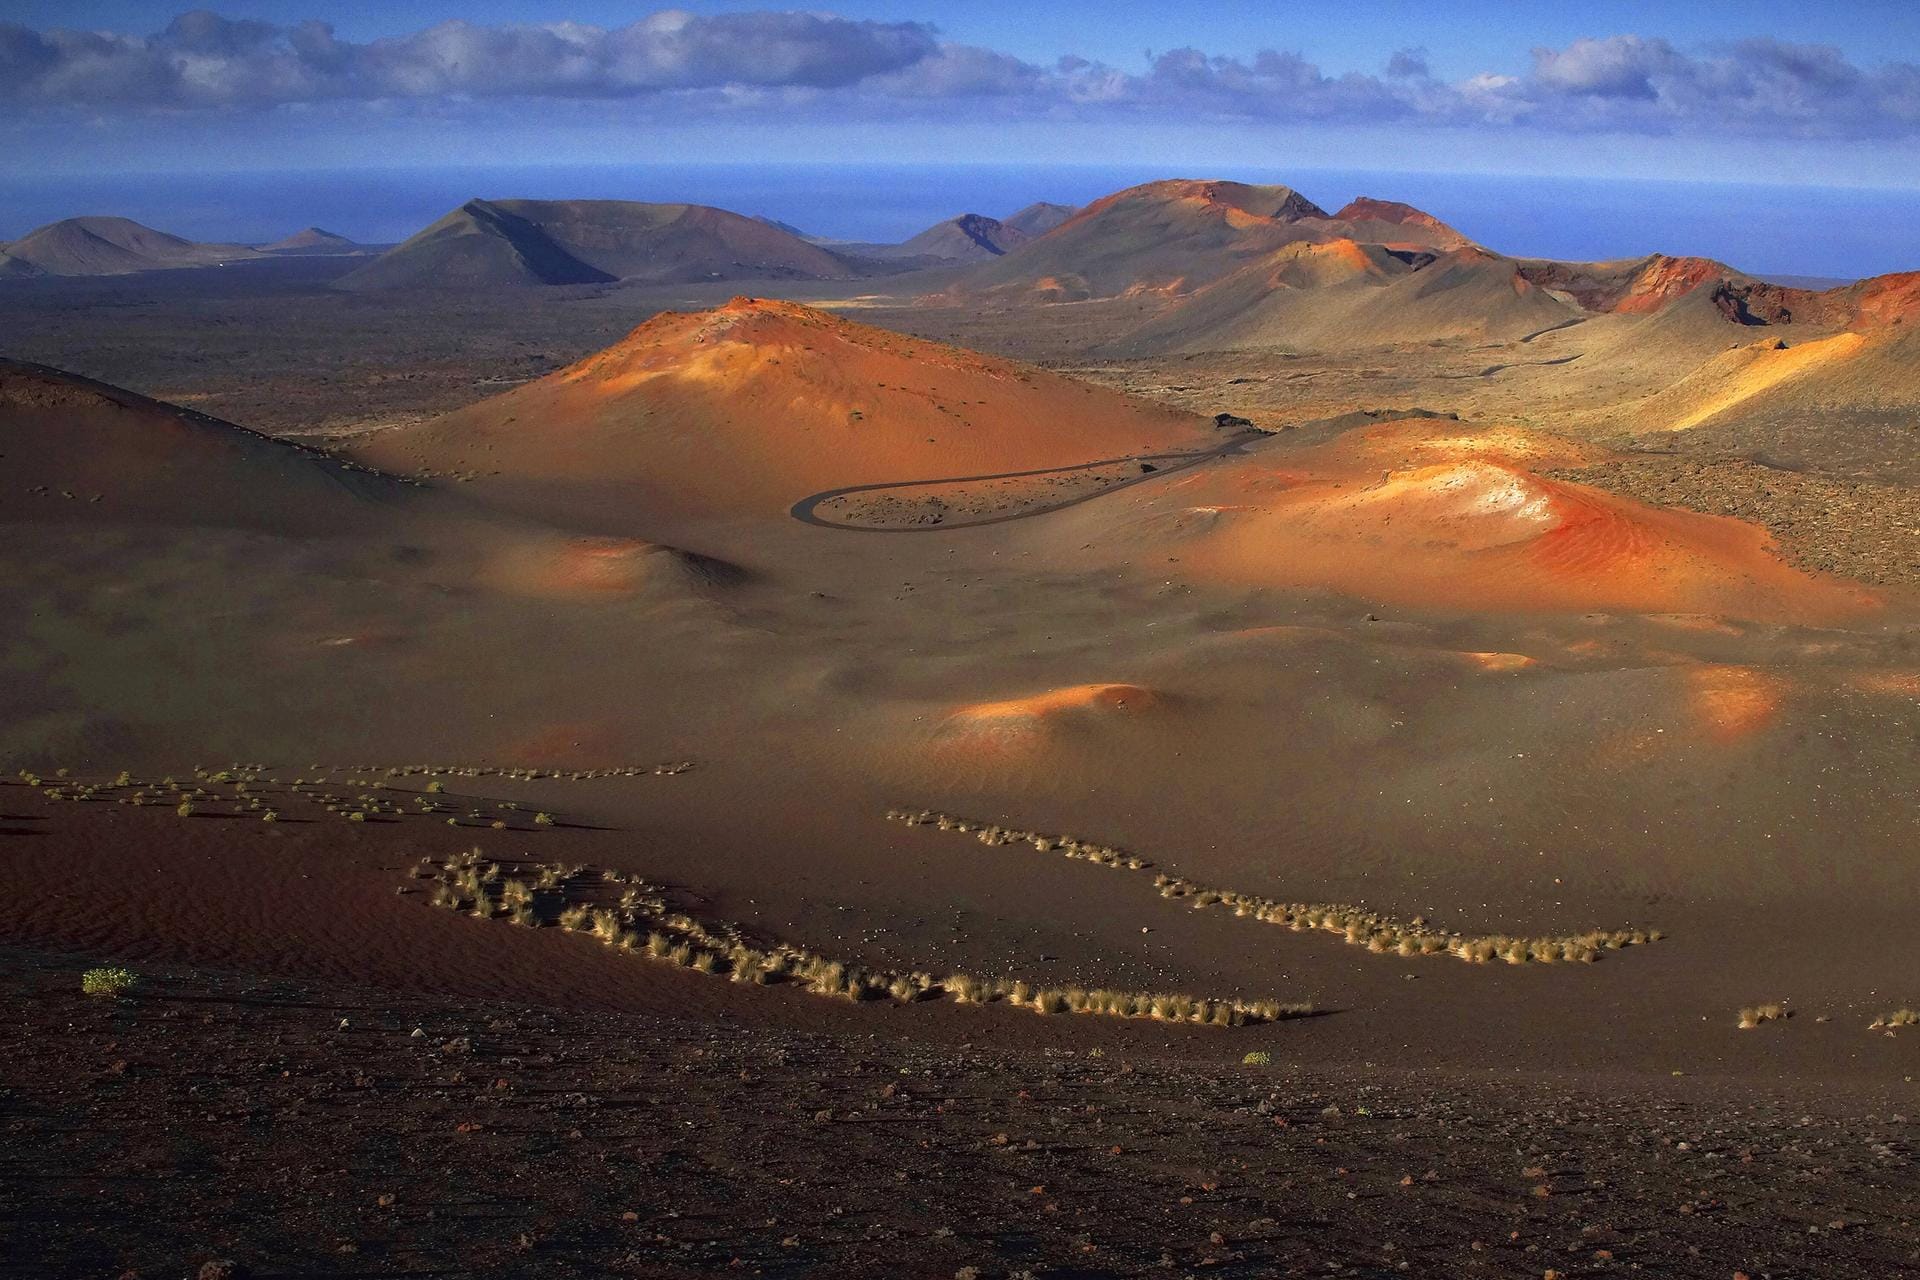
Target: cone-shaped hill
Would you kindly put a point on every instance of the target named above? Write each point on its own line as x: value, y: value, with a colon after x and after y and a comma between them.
x: 748, y: 408
x: 113, y: 246
x: 1038, y: 218
x: 487, y: 243
x: 971, y: 237
x: 1398, y: 513
x: 314, y: 241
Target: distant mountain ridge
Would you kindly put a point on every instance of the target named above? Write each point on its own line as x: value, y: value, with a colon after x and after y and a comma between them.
x: 314, y: 241
x: 553, y: 242
x: 1177, y: 235
x: 966, y: 237
x: 1238, y: 264
x: 969, y: 237
x: 101, y: 246
x: 1038, y: 218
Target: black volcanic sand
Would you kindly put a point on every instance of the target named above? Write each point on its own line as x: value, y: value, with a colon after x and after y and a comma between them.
x: 1863, y: 530
x: 272, y: 344
x: 261, y: 1126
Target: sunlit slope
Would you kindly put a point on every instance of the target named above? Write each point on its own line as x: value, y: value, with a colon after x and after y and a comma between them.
x: 748, y: 408
x: 1447, y: 519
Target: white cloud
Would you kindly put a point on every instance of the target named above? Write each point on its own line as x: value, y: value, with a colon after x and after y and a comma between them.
x: 203, y: 60
x: 781, y: 63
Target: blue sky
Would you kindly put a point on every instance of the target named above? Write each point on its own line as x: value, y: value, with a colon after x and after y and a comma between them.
x: 1463, y: 36
x: 1794, y: 93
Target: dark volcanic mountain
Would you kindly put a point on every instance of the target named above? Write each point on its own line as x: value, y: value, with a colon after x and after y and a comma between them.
x: 113, y: 246
x: 971, y: 237
x: 548, y: 242
x: 1038, y: 218
x: 314, y: 241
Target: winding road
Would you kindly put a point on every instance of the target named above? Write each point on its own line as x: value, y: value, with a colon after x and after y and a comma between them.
x: 1164, y: 464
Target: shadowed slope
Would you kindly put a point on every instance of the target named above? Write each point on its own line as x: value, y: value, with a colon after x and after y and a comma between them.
x: 971, y: 237
x: 746, y: 409
x: 87, y: 455
x: 79, y: 451
x: 478, y: 244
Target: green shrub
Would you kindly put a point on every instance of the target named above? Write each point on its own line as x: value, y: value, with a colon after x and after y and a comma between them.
x: 108, y: 982
x: 1258, y: 1058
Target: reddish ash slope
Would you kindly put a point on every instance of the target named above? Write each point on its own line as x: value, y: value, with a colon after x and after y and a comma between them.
x: 1462, y: 522
x: 1879, y: 302
x: 1015, y: 726
x: 748, y: 408
x: 1390, y: 222
x: 1178, y: 235
x: 1885, y: 300
x: 1663, y: 279
x: 1642, y: 286
x: 1631, y: 286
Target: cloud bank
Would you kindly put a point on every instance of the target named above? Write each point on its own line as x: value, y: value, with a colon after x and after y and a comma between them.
x: 776, y: 62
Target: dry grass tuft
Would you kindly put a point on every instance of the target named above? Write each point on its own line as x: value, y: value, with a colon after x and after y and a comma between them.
x: 634, y: 916
x: 1357, y: 926
x: 351, y: 793
x: 1753, y: 1015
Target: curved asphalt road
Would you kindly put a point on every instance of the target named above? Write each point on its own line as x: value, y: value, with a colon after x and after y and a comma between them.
x: 1165, y: 464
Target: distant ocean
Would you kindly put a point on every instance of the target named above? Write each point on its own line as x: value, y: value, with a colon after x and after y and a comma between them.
x: 1802, y: 231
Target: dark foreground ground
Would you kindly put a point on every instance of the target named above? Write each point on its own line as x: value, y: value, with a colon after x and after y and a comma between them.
x: 292, y: 1129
